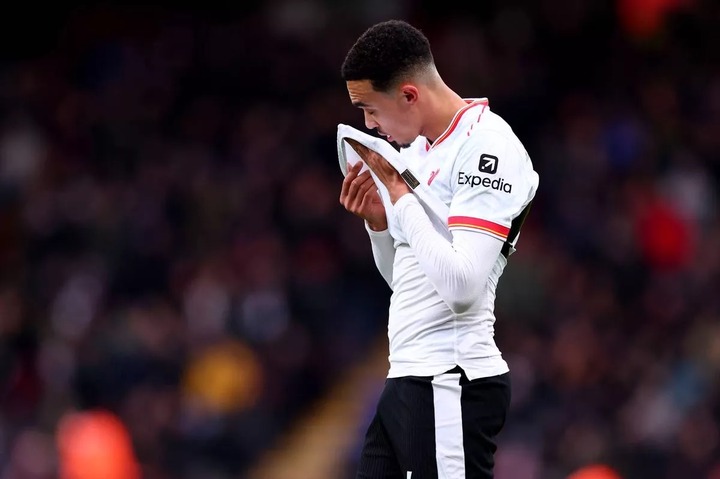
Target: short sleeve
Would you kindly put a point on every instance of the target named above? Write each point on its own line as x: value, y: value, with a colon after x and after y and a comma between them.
x: 493, y: 180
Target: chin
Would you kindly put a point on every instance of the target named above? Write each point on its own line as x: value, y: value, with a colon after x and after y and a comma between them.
x: 406, y: 143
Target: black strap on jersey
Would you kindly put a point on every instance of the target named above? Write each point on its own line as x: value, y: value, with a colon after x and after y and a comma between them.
x: 515, y: 230
x: 410, y: 179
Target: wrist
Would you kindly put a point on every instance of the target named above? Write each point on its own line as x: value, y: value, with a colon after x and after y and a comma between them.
x: 377, y: 226
x: 398, y: 192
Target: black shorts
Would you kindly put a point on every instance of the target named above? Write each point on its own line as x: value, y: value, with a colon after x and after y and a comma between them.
x: 436, y: 427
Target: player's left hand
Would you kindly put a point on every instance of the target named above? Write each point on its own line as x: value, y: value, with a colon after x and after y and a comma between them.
x: 388, y: 175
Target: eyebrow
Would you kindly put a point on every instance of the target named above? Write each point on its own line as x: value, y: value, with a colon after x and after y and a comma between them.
x: 359, y: 104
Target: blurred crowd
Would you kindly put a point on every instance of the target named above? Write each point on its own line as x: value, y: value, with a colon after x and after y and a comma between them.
x: 172, y: 249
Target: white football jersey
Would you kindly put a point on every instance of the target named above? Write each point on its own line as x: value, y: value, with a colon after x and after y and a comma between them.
x: 480, y: 169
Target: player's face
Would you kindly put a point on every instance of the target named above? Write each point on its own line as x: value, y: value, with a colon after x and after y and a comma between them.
x: 390, y: 113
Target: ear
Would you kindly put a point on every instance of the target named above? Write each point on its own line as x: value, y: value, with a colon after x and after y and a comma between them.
x: 410, y: 93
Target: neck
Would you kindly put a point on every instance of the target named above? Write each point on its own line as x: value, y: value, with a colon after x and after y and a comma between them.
x: 442, y: 106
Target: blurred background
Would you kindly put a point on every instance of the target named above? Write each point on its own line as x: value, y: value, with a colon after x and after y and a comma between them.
x: 183, y: 297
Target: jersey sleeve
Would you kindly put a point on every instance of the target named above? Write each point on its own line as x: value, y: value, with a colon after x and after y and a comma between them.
x: 383, y: 250
x: 458, y: 269
x: 493, y: 180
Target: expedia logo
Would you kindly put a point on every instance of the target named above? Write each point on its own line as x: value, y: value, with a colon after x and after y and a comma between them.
x: 488, y: 164
x: 496, y: 184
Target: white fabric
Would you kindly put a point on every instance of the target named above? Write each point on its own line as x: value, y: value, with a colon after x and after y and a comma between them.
x: 444, y: 276
x: 441, y: 310
x: 449, y: 448
x: 457, y: 270
x: 511, y: 187
x: 383, y: 250
x: 436, y: 209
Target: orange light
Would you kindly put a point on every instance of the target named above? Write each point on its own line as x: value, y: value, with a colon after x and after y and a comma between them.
x: 93, y: 445
x: 595, y: 471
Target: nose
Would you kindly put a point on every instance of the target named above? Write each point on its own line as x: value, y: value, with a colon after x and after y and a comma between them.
x: 369, y: 122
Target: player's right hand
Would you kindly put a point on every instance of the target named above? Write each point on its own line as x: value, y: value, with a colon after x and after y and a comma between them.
x: 359, y: 195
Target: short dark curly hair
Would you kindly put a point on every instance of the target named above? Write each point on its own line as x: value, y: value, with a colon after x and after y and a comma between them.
x: 386, y: 53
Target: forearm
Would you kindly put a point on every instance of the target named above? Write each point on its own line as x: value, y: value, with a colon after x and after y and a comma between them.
x: 459, y: 270
x: 383, y: 250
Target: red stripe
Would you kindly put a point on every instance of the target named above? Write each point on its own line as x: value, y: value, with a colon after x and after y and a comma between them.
x: 480, y: 224
x: 456, y: 120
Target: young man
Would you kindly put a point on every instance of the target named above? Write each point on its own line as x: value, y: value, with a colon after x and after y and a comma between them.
x: 448, y: 388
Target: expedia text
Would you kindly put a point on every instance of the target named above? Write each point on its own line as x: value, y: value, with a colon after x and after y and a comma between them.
x: 496, y: 184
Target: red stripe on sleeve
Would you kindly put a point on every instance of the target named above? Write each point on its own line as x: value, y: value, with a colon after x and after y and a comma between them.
x: 478, y: 224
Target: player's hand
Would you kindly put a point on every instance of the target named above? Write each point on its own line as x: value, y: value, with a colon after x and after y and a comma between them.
x: 389, y: 176
x: 360, y: 196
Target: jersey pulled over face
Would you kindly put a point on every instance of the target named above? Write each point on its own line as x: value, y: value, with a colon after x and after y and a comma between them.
x: 390, y: 113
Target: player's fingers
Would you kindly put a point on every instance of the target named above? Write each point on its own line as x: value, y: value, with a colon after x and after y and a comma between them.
x: 367, y: 185
x: 354, y: 170
x: 355, y: 184
x: 356, y: 191
x: 369, y: 197
x: 351, y: 176
x: 344, y: 188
